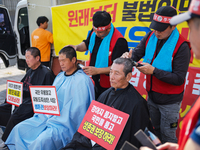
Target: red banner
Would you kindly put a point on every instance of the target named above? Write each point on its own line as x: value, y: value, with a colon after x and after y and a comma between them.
x: 103, y: 124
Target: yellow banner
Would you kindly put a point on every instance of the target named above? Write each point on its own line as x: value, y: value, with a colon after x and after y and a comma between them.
x: 72, y: 22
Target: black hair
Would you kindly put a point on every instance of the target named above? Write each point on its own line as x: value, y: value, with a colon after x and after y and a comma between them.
x: 68, y: 51
x: 127, y: 62
x: 101, y: 18
x: 34, y: 51
x: 41, y: 19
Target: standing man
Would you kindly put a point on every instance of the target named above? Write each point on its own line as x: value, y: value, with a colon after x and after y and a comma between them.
x: 36, y: 75
x: 189, y: 137
x: 166, y: 59
x: 42, y: 39
x: 75, y: 91
x: 105, y: 44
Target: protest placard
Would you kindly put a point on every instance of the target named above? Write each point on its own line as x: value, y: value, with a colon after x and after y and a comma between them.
x: 103, y: 124
x: 14, y: 92
x: 44, y: 100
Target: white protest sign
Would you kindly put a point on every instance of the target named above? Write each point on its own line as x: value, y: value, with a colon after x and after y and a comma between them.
x: 14, y: 92
x: 44, y: 100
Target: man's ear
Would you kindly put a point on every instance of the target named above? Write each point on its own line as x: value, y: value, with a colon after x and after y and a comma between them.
x: 74, y: 60
x: 129, y: 76
x: 38, y: 58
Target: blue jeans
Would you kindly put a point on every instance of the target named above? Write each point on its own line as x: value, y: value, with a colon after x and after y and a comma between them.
x: 165, y: 120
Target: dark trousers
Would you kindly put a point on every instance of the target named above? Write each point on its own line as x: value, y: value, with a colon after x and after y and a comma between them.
x: 21, y: 113
x: 163, y: 117
x: 5, y: 113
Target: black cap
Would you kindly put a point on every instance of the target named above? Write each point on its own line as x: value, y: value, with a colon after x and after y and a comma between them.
x: 166, y: 11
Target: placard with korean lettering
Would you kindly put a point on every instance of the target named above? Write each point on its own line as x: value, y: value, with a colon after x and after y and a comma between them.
x: 103, y: 124
x: 14, y: 92
x: 44, y: 100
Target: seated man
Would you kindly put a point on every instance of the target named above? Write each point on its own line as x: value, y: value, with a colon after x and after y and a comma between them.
x: 75, y: 92
x: 36, y: 75
x: 122, y: 96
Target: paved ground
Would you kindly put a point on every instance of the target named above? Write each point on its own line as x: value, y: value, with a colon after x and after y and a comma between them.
x: 10, y: 73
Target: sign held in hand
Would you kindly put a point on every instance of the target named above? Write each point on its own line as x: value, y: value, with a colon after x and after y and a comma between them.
x: 14, y: 93
x: 103, y: 124
x: 44, y: 100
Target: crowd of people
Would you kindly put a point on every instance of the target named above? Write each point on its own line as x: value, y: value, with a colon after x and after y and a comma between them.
x: 166, y: 56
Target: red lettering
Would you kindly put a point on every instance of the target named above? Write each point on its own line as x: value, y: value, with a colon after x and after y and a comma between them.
x: 86, y: 17
x: 13, y: 99
x: 73, y: 18
x: 81, y: 17
x: 113, y: 12
x: 50, y: 108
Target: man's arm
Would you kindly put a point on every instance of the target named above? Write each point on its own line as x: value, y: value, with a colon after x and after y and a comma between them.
x: 138, y: 53
x: 167, y: 146
x: 90, y: 70
x: 146, y: 68
x: 81, y: 47
x: 50, y: 37
x: 190, y: 145
x: 179, y: 67
x: 139, y: 50
x: 121, y: 46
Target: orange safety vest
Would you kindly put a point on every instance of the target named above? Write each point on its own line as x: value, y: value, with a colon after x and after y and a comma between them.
x: 160, y: 86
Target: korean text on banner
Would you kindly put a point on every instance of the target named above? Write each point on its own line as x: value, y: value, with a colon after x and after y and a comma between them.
x: 72, y: 22
x: 103, y: 124
x: 14, y: 93
x: 44, y: 100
